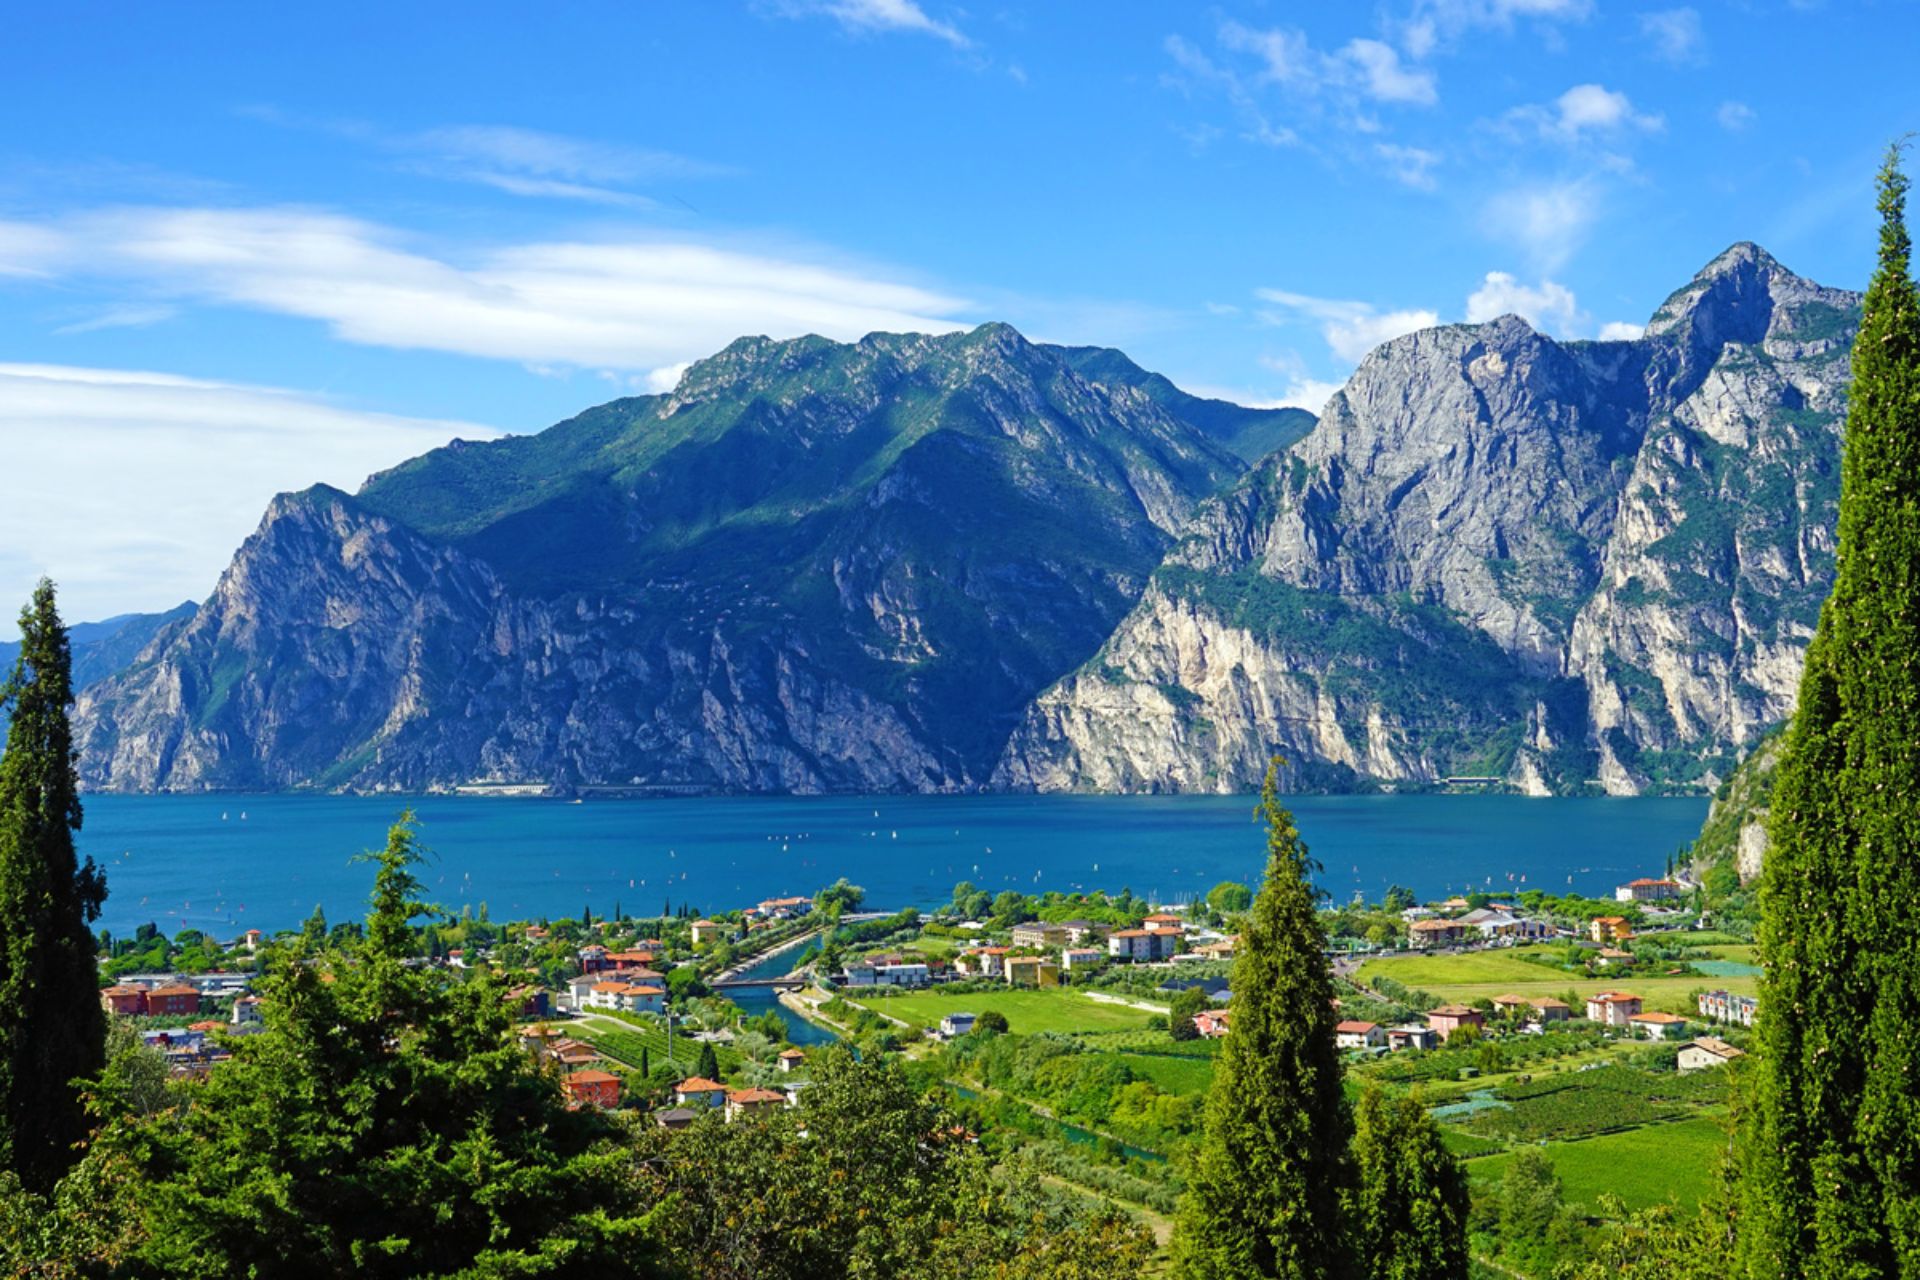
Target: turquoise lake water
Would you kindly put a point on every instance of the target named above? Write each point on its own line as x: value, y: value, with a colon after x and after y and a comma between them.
x: 233, y: 862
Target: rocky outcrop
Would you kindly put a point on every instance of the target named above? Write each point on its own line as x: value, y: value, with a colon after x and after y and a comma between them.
x: 1555, y: 565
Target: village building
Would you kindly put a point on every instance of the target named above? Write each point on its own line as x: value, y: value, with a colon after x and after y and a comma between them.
x: 1613, y: 1008
x: 957, y: 1024
x: 1212, y: 1023
x: 1038, y: 933
x: 1547, y: 1009
x: 675, y: 1117
x: 791, y: 1060
x: 1354, y: 1034
x: 902, y: 974
x: 982, y: 962
x: 1081, y: 958
x: 173, y: 999
x: 1707, y: 1052
x: 1449, y: 1018
x: 706, y: 931
x: 1221, y: 949
x: 251, y: 940
x: 1411, y: 1037
x: 1032, y: 971
x: 1511, y: 1006
x: 1614, y: 957
x: 784, y: 908
x: 742, y: 1102
x: 1079, y: 931
x: 1164, y: 922
x: 593, y: 1089
x: 698, y: 1091
x: 246, y: 1011
x: 1645, y: 890
x: 1142, y: 945
x: 572, y: 1054
x: 1658, y: 1025
x: 627, y: 997
x: 124, y: 998
x: 1723, y: 1006
x: 1433, y: 933
x: 592, y: 958
x: 1606, y: 929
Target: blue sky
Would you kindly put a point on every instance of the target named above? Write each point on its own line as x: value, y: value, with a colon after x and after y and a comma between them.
x: 244, y: 248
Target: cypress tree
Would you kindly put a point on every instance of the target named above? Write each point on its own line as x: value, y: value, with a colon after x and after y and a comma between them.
x: 1835, y: 1189
x: 1265, y: 1192
x: 1407, y: 1217
x: 707, y: 1065
x: 52, y: 1030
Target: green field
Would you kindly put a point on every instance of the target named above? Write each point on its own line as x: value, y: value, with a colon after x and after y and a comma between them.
x: 1478, y: 974
x: 624, y: 1043
x: 1057, y: 1009
x: 1645, y: 1166
x: 1179, y: 1075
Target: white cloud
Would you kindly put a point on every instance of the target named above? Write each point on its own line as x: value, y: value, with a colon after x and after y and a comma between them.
x: 1675, y: 34
x: 1434, y: 22
x: 1735, y: 117
x: 1361, y: 69
x: 881, y: 15
x: 666, y: 377
x: 1385, y: 77
x: 1351, y: 329
x: 1547, y: 306
x: 1586, y: 110
x: 130, y: 315
x: 621, y: 304
x: 1412, y: 166
x: 24, y: 249
x: 1620, y: 331
x: 1549, y: 221
x: 178, y: 471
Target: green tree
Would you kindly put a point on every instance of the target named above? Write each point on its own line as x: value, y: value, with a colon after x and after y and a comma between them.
x: 384, y: 1123
x: 1264, y: 1195
x: 1399, y: 898
x: 1529, y: 1198
x: 707, y: 1065
x: 1408, y: 1209
x: 1836, y: 1186
x: 1229, y: 896
x: 52, y: 1030
x: 992, y: 1022
x: 839, y: 898
x: 1180, y: 1017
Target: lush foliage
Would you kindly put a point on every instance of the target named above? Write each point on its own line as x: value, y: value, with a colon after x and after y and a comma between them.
x: 1408, y: 1212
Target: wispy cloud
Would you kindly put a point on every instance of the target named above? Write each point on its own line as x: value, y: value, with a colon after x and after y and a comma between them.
x: 1412, y: 166
x: 1675, y: 35
x: 629, y: 304
x: 1735, y: 117
x: 1548, y: 220
x: 178, y: 471
x: 132, y: 315
x: 879, y: 16
x: 1584, y: 112
x: 1433, y: 23
x: 1361, y: 70
x: 1351, y: 328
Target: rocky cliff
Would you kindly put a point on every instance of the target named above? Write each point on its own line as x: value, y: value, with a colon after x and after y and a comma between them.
x: 1548, y: 565
x: 812, y: 566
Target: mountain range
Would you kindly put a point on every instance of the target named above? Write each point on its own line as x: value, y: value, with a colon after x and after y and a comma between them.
x: 973, y: 561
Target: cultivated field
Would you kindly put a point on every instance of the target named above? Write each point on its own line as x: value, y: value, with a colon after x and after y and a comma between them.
x: 1055, y: 1009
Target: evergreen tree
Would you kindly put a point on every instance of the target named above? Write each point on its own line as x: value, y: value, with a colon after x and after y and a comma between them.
x: 1836, y: 1185
x: 1407, y: 1218
x: 313, y: 934
x: 1265, y: 1193
x: 645, y: 1067
x: 52, y: 1030
x: 707, y: 1065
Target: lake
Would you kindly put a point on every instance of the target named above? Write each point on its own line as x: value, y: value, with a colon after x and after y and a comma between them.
x: 232, y: 862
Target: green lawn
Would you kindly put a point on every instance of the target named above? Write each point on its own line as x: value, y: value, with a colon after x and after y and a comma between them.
x: 1477, y: 974
x: 1055, y: 1009
x: 1178, y: 1075
x: 1431, y: 971
x: 1644, y: 1166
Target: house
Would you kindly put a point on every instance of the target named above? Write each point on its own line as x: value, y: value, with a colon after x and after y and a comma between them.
x: 1412, y: 1038
x: 1449, y: 1018
x: 1657, y: 1025
x: 1432, y: 933
x: 1490, y: 922
x: 1722, y: 1006
x: 1547, y: 1009
x: 627, y: 997
x: 1455, y: 903
x: 124, y: 998
x: 1038, y: 933
x: 529, y: 1002
x: 746, y: 1101
x: 251, y: 940
x: 1706, y: 1052
x: 580, y: 988
x: 1612, y: 956
x: 675, y: 1117
x: 697, y: 1091
x: 592, y: 958
x: 1605, y: 929
x: 982, y: 962
x: 572, y: 1053
x: 1359, y: 1035
x: 173, y: 999
x: 1221, y: 950
x: 904, y: 974
x: 1079, y: 931
x: 593, y: 1089
x: 1612, y: 1008
x: 957, y: 1024
x: 791, y: 1060
x: 1164, y: 922
x: 1081, y: 958
x: 246, y: 1010
x: 1645, y: 890
x: 706, y: 931
x: 1211, y: 1023
x: 1032, y: 971
x: 857, y: 975
x: 1510, y: 1006
x: 1142, y: 944
x: 536, y: 933
x: 630, y: 962
x: 784, y: 908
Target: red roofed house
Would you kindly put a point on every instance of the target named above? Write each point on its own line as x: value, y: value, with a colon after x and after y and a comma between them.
x: 594, y: 1088
x: 173, y: 999
x: 1143, y: 944
x: 1657, y: 1025
x: 1359, y: 1035
x: 1547, y: 1009
x: 1605, y: 929
x: 1428, y: 933
x: 1645, y: 890
x: 1449, y: 1018
x: 983, y: 962
x: 792, y: 1059
x: 1211, y: 1023
x: 1613, y: 1008
x: 129, y: 999
x: 697, y: 1091
x: 742, y: 1101
x: 1163, y: 922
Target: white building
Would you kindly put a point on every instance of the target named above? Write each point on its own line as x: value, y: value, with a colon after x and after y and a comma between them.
x: 956, y: 1024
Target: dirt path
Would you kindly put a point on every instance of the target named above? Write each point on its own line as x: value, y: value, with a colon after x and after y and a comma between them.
x: 1143, y: 1005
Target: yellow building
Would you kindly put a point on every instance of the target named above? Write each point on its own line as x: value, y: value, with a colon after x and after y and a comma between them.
x: 1032, y: 971
x: 705, y: 931
x: 1606, y: 929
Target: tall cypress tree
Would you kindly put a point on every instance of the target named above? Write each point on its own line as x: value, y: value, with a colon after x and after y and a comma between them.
x: 52, y: 1030
x: 1835, y: 1190
x: 1407, y: 1217
x: 1265, y: 1192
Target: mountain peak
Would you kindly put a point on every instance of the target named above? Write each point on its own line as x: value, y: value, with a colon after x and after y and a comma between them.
x: 1734, y: 297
